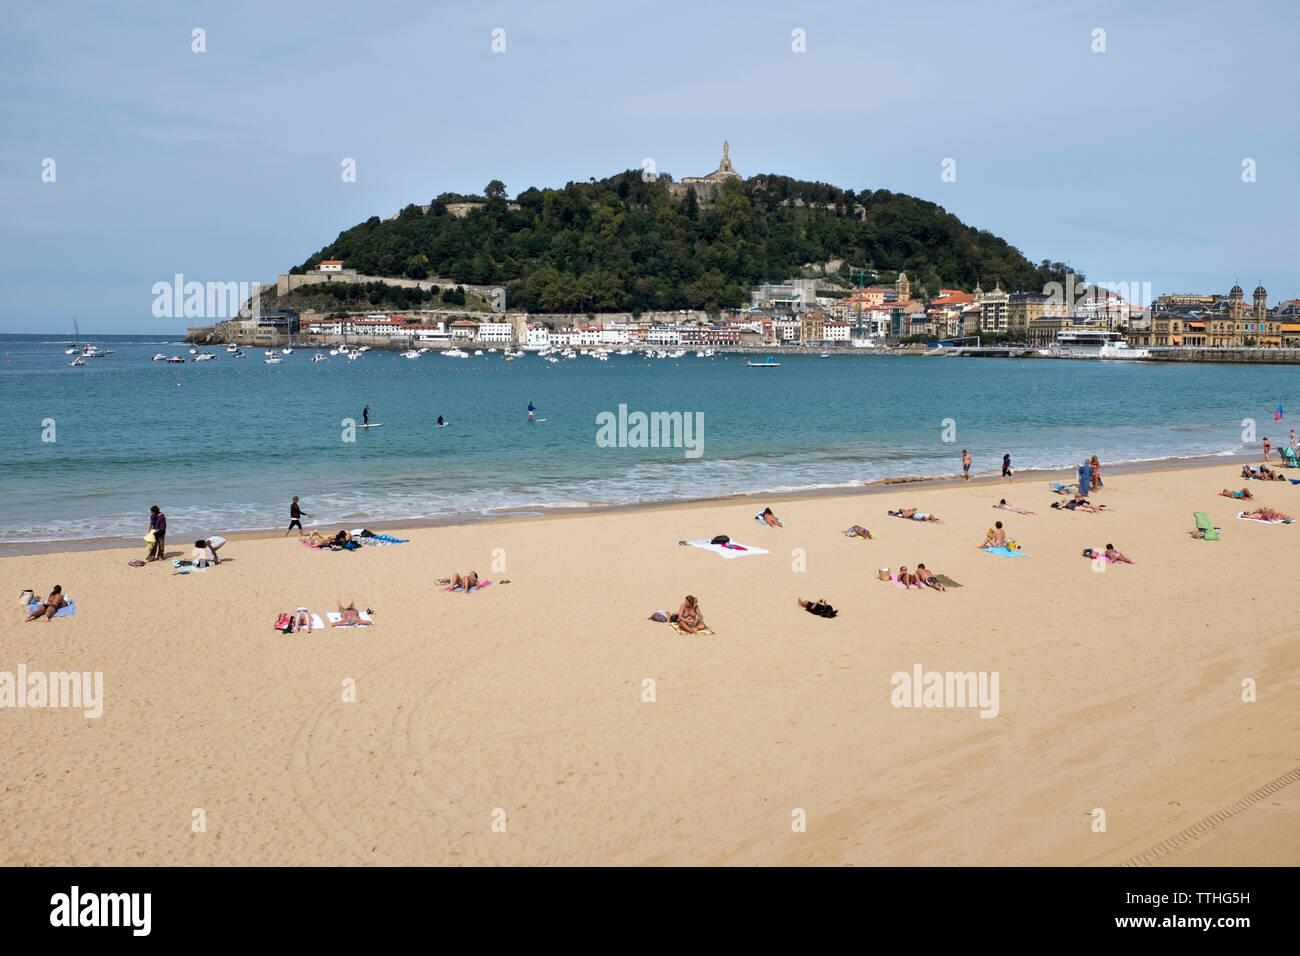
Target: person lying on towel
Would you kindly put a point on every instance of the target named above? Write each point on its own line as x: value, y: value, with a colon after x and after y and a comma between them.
x: 50, y: 606
x: 914, y: 514
x: 818, y: 607
x: 467, y: 583
x: 350, y: 617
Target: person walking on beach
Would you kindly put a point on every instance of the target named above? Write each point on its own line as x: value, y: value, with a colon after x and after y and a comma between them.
x: 295, y: 518
x: 1085, y: 478
x: 1267, y: 446
x: 1006, y: 469
x: 158, y: 526
x: 965, y: 464
x: 365, y: 415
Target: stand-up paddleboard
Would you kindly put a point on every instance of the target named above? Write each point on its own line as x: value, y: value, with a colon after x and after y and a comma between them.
x: 372, y: 425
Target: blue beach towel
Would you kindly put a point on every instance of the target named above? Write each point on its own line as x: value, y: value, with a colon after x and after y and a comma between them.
x: 66, y: 611
x: 1006, y: 552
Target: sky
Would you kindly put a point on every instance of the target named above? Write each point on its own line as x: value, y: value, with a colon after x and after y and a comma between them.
x: 226, y: 164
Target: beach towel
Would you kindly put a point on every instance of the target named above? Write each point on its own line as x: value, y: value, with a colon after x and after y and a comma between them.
x: 732, y: 550
x: 1239, y: 497
x: 678, y: 629
x: 893, y: 578
x: 1245, y: 517
x: 1006, y: 552
x: 335, y: 617
x: 481, y: 586
x: 67, y: 610
x: 1061, y: 489
x: 946, y: 581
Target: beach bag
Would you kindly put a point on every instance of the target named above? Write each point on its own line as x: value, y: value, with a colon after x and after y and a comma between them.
x: 883, y: 574
x: 1012, y: 546
x: 284, y: 622
x: 720, y: 539
x: 26, y: 597
x: 660, y: 616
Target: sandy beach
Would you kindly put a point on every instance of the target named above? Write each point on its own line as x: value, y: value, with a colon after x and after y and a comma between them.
x: 1119, y: 690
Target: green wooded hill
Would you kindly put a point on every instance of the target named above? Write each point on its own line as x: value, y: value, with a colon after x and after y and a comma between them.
x: 625, y: 244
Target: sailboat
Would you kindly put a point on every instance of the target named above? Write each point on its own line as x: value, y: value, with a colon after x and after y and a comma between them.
x: 76, y: 340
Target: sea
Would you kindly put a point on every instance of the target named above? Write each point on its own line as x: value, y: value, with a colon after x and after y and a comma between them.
x: 223, y: 445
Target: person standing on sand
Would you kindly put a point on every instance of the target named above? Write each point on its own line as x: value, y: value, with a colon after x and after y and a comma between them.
x: 295, y: 518
x: 1085, y: 479
x: 158, y: 525
x: 1096, y: 472
x: 1006, y: 469
x: 965, y: 464
x: 1267, y: 446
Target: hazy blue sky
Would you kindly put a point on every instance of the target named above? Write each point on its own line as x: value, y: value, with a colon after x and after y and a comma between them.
x: 225, y: 165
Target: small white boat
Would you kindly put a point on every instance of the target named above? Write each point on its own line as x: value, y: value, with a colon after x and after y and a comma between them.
x: 269, y: 353
x: 334, y: 351
x: 157, y: 357
x: 320, y: 358
x: 193, y: 350
x: 411, y: 354
x: 363, y: 348
x: 204, y: 357
x: 273, y: 361
x: 237, y: 354
x: 78, y: 361
x: 353, y: 356
x: 767, y: 363
x: 478, y: 351
x: 286, y: 351
x: 232, y: 348
x: 175, y: 360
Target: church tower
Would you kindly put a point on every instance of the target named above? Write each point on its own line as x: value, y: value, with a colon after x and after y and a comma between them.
x: 903, y: 287
x: 1261, y: 302
x: 1234, y: 303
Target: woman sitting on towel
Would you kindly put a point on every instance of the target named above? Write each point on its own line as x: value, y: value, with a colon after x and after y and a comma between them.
x: 914, y: 514
x: 350, y: 617
x: 468, y: 583
x: 689, y: 617
x: 926, y: 578
x: 995, y: 538
x: 818, y: 607
x: 769, y: 519
x: 50, y: 606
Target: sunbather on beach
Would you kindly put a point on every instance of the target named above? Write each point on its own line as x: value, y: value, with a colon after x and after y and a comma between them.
x: 769, y: 519
x: 995, y: 538
x: 302, y: 620
x: 350, y: 617
x: 926, y: 578
x: 1244, y: 493
x: 857, y: 531
x: 1114, y: 557
x: 467, y: 583
x: 1003, y: 506
x: 818, y: 607
x: 689, y: 617
x: 50, y: 606
x: 1265, y: 513
x: 915, y: 515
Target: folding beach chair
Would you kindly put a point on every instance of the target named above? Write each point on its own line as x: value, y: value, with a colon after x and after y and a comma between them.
x: 1289, y: 458
x: 1205, y: 528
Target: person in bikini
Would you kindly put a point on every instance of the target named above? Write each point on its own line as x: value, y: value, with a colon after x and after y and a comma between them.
x: 1114, y: 557
x: 50, y: 606
x: 1244, y: 493
x: 689, y: 617
x: 915, y: 515
x: 467, y: 583
x: 995, y: 538
x: 1265, y: 513
x: 768, y: 518
x: 1003, y: 506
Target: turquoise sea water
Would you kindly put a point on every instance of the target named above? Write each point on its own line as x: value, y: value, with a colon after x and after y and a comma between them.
x: 223, y: 445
